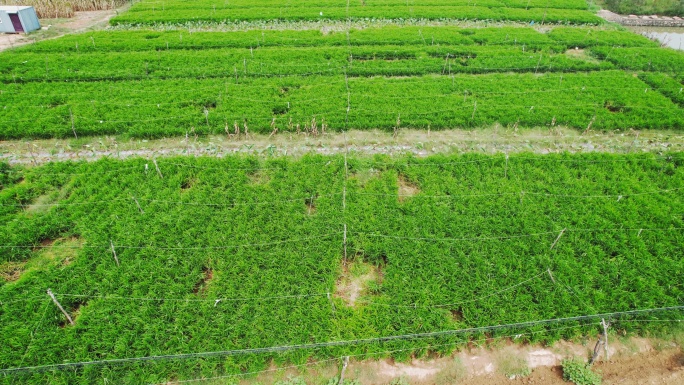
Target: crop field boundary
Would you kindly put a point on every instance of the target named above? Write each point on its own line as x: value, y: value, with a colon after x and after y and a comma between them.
x: 370, y: 355
x: 156, y: 12
x: 279, y: 349
x: 152, y: 247
x: 175, y: 170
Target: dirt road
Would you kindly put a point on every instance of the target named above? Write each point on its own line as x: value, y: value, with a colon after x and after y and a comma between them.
x: 53, y: 28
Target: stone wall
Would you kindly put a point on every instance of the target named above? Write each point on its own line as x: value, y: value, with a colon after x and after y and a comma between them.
x: 646, y: 21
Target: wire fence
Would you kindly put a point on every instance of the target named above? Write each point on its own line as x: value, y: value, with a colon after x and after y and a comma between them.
x: 339, y: 343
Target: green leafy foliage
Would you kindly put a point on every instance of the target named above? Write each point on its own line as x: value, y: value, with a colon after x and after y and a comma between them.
x: 178, y: 12
x: 646, y: 7
x: 156, y: 84
x: 666, y: 85
x: 469, y: 247
x: 580, y: 373
x: 652, y: 60
x: 158, y: 108
x: 386, y: 51
x: 8, y: 176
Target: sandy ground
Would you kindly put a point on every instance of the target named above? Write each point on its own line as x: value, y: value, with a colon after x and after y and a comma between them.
x: 416, y: 142
x: 53, y: 28
x: 634, y: 361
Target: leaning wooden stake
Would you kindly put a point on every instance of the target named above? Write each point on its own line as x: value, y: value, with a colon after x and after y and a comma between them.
x: 551, y: 275
x: 73, y: 129
x: 557, y: 239
x: 157, y: 167
x: 506, y: 168
x: 597, y: 349
x: 605, y: 336
x: 332, y: 304
x: 114, y: 252
x: 344, y: 368
x: 60, y: 306
x: 344, y: 243
x: 138, y: 204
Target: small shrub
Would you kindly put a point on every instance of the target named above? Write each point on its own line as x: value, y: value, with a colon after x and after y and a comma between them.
x: 580, y: 373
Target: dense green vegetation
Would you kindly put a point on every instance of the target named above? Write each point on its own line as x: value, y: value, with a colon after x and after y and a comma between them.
x: 187, y: 255
x: 178, y: 11
x: 468, y: 246
x: 646, y: 7
x: 387, y: 51
x: 157, y: 108
x: 155, y: 84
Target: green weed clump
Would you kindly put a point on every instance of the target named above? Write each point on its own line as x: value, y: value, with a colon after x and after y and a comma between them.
x: 579, y: 372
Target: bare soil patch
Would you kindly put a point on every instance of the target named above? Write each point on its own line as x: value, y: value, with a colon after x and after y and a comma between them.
x: 89, y: 19
x: 407, y: 189
x: 11, y: 271
x: 60, y: 252
x: 580, y: 53
x: 202, y: 284
x: 363, y: 177
x: 188, y: 184
x: 52, y: 253
x: 258, y: 178
x: 310, y: 205
x: 74, y: 312
x: 356, y: 280
x: 40, y: 204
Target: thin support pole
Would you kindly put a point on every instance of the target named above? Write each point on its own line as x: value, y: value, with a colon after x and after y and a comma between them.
x: 71, y: 321
x: 344, y: 243
x: 344, y: 368
x: 73, y: 128
x: 557, y: 239
x: 114, y: 252
x: 551, y: 275
x: 138, y: 204
x: 506, y: 168
x: 158, y: 170
x: 605, y: 336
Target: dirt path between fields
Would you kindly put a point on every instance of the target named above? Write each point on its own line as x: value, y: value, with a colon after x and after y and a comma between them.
x: 417, y: 142
x: 53, y: 28
x: 632, y: 361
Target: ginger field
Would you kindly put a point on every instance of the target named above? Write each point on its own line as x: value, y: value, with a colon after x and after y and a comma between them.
x: 172, y: 83
x: 151, y: 12
x: 186, y: 269
x: 242, y: 253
